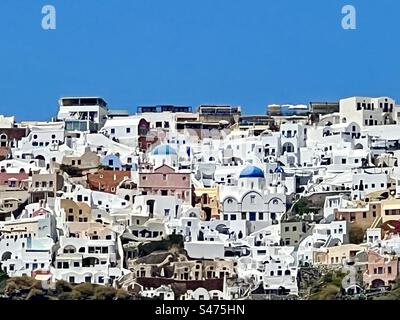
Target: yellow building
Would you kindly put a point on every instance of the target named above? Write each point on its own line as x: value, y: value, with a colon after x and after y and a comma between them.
x: 336, y: 255
x: 208, y: 200
x: 76, y: 211
x: 390, y: 209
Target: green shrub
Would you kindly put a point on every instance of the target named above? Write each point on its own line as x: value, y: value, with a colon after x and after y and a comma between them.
x: 121, y: 294
x: 11, y: 286
x: 85, y: 289
x: 72, y: 295
x: 356, y: 235
x: 303, y: 207
x: 63, y: 286
x: 104, y: 293
x: 71, y: 170
x: 328, y: 292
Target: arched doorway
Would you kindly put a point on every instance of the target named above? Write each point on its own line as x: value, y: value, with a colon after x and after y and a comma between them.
x: 3, y: 140
x: 377, y: 283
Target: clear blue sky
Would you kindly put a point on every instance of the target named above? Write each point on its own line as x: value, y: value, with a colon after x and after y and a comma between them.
x: 248, y: 53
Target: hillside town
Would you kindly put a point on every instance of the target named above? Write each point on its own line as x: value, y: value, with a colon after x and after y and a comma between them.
x: 207, y: 203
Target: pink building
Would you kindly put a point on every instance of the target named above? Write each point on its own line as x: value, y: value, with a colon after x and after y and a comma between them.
x: 382, y: 270
x: 13, y: 180
x: 164, y: 181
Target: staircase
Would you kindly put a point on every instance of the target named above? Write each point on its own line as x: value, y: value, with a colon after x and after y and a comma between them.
x: 377, y: 222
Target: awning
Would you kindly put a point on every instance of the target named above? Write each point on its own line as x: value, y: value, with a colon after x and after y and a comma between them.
x: 43, y: 277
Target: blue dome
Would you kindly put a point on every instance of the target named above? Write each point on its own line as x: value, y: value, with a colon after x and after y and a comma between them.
x: 279, y: 169
x: 163, y: 149
x: 252, y: 172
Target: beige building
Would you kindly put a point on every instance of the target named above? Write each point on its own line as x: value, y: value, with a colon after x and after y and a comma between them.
x: 76, y: 211
x: 382, y: 270
x: 390, y: 209
x: 208, y: 200
x: 45, y: 185
x: 337, y: 255
x: 360, y: 214
x: 87, y: 160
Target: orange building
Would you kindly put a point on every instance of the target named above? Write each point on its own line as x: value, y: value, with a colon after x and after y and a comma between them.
x: 107, y: 180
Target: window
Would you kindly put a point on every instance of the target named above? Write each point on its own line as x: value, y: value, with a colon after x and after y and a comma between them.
x: 88, y: 279
x: 243, y: 215
x: 164, y: 177
x: 286, y: 229
x: 233, y: 216
x: 343, y: 161
x: 364, y: 215
x: 112, y: 131
x: 294, y: 229
x: 72, y: 279
x: 389, y: 270
x: 128, y: 130
x: 252, y: 199
x: 76, y: 265
x: 260, y: 216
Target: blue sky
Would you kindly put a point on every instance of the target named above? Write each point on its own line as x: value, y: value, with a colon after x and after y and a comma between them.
x: 248, y: 53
